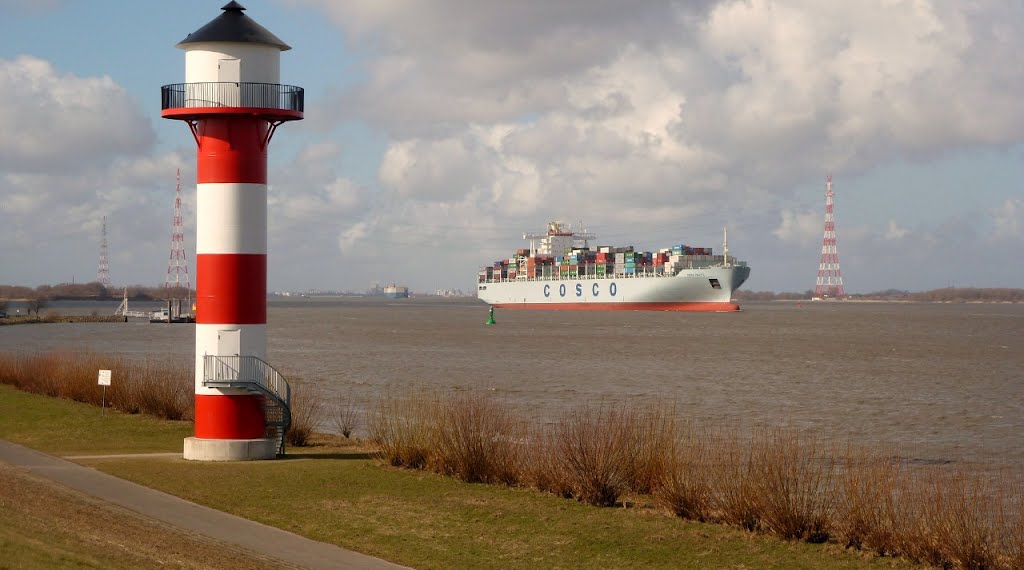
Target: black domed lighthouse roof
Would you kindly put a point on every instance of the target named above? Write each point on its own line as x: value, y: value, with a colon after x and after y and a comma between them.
x: 234, y: 26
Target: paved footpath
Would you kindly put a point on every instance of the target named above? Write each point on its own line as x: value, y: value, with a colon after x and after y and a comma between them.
x: 265, y: 540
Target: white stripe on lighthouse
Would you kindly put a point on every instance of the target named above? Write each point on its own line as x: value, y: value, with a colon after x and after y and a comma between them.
x: 231, y: 217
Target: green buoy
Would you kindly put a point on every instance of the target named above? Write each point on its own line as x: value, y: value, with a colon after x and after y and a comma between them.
x: 490, y: 318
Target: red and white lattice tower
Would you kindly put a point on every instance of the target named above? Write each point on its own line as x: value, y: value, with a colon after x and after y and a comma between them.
x: 177, y: 265
x: 830, y: 278
x: 103, y: 273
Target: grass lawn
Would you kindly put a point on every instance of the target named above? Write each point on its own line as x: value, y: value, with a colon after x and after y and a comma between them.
x: 63, y: 427
x: 336, y: 494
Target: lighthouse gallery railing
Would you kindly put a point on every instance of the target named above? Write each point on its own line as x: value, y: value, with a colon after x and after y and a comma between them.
x: 230, y: 94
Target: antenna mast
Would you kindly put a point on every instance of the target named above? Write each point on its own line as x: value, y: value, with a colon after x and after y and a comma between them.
x: 177, y: 264
x: 725, y: 246
x: 103, y: 272
x: 830, y: 278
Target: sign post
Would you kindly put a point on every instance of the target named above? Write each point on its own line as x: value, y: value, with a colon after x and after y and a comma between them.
x: 104, y: 380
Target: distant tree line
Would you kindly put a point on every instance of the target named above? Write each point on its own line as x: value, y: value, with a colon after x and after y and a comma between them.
x: 945, y: 295
x: 742, y: 295
x: 90, y: 291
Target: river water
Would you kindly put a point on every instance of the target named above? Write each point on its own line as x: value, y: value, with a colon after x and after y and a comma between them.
x: 940, y: 382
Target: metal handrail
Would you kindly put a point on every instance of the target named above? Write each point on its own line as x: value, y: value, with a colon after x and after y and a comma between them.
x: 250, y: 369
x: 232, y: 94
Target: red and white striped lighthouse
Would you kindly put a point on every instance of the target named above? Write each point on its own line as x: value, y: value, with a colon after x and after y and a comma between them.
x: 232, y: 100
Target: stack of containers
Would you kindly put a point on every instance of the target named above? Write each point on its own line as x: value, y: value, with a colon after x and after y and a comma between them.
x: 600, y: 262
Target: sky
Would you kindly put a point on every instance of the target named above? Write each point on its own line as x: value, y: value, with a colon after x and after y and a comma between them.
x: 437, y: 132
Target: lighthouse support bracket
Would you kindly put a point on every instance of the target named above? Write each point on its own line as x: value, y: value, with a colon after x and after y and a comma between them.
x: 193, y: 125
x: 270, y: 133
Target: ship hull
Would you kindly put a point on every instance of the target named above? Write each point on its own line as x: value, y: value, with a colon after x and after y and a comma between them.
x: 703, y: 290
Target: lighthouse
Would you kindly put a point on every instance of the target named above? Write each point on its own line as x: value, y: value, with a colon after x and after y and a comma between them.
x: 233, y: 101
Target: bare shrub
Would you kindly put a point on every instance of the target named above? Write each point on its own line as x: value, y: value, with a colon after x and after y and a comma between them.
x: 161, y: 390
x: 404, y: 428
x: 1014, y: 531
x: 596, y: 449
x: 655, y: 436
x: 684, y: 487
x: 866, y: 497
x: 307, y: 409
x: 792, y: 480
x: 36, y: 304
x: 478, y: 440
x: 733, y: 492
x: 540, y: 467
x: 345, y: 416
x: 947, y: 518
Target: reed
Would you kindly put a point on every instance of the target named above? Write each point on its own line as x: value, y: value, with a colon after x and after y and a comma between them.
x: 146, y: 386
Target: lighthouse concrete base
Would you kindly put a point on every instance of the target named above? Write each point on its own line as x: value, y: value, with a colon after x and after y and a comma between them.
x: 198, y: 449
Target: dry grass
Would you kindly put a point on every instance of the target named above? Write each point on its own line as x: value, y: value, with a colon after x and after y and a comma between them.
x: 148, y: 386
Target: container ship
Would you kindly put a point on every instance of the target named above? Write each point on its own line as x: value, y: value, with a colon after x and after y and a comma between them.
x: 396, y: 292
x: 564, y: 272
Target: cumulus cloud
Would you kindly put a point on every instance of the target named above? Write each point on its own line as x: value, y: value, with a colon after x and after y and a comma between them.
x: 1009, y: 220
x: 799, y: 227
x: 58, y: 122
x: 895, y: 231
x: 672, y: 103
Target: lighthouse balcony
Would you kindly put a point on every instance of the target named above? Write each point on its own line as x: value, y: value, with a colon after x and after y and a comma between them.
x: 189, y: 101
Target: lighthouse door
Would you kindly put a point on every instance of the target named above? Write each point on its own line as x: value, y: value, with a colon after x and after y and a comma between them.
x: 229, y: 347
x: 229, y: 342
x: 229, y: 74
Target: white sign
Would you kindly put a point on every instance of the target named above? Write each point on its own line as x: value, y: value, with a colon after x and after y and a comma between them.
x: 104, y: 378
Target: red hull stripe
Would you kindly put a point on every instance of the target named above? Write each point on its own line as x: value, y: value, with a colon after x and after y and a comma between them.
x: 232, y: 149
x: 229, y: 417
x: 231, y: 288
x: 692, y: 307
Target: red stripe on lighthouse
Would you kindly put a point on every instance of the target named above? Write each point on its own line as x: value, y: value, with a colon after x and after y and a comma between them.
x: 231, y: 288
x: 229, y: 417
x: 232, y: 148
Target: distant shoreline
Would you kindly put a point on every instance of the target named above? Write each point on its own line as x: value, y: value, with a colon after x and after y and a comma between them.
x: 26, y: 320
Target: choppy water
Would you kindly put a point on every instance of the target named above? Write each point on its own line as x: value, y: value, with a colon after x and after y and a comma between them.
x: 942, y: 382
